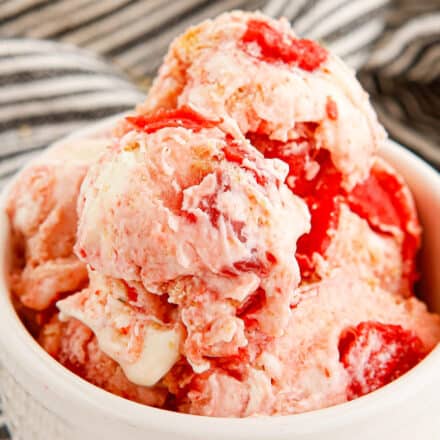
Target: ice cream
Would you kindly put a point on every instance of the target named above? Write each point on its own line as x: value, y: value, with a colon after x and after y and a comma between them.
x: 187, y: 190
x: 315, y: 364
x: 42, y: 210
x: 240, y: 249
x: 143, y: 339
x: 257, y: 76
x: 294, y: 101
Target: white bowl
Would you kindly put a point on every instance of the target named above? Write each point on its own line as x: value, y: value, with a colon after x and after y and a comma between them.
x: 45, y: 400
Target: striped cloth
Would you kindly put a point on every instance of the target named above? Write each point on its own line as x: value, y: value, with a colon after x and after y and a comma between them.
x: 64, y: 63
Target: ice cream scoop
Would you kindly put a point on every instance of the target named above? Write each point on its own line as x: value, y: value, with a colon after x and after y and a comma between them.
x: 156, y: 205
x: 293, y: 99
x: 260, y: 78
x: 42, y: 211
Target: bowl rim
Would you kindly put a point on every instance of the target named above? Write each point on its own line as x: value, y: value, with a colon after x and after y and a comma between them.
x: 18, y: 344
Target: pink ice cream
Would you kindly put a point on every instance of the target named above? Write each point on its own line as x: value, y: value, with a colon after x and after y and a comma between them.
x: 296, y: 102
x: 301, y: 370
x: 42, y: 211
x: 186, y: 191
x: 243, y: 68
x: 238, y: 248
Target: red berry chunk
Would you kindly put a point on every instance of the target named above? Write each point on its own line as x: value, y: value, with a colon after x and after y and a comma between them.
x: 182, y: 117
x: 375, y: 354
x: 276, y: 46
x: 322, y: 195
x: 321, y: 192
x: 385, y: 202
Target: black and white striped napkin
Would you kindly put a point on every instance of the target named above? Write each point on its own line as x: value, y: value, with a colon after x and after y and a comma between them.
x: 65, y: 63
